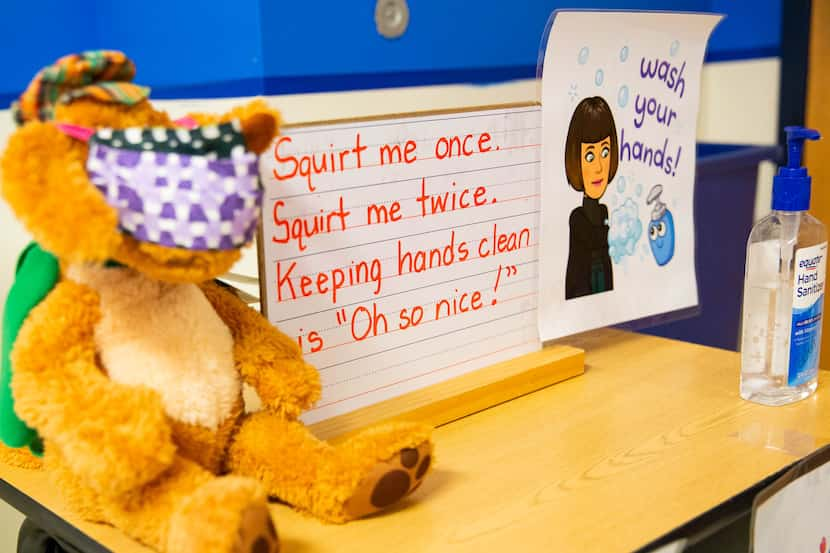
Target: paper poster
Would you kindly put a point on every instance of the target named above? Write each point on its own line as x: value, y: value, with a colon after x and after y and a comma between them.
x: 403, y: 252
x: 792, y: 515
x: 620, y: 94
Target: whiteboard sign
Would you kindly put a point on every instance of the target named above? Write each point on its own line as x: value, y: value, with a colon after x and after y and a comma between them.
x: 793, y: 514
x: 402, y: 252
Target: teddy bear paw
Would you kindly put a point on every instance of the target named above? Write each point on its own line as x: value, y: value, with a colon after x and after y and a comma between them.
x: 228, y: 513
x: 257, y: 533
x: 390, y: 480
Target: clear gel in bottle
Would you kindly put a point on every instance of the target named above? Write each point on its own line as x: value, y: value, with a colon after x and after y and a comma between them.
x: 786, y: 260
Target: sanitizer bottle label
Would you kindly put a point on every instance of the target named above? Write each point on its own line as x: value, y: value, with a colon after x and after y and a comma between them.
x: 808, y: 299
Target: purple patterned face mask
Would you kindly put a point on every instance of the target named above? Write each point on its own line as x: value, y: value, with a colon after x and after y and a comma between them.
x: 196, y: 188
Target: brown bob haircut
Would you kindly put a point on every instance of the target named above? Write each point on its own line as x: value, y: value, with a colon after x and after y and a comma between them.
x: 591, y: 122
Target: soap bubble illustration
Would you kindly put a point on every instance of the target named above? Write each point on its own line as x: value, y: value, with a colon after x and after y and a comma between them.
x: 620, y: 184
x: 624, y: 53
x: 622, y: 96
x: 639, y: 189
x: 573, y: 92
x: 582, y: 58
x: 599, y: 77
x: 675, y: 46
x: 625, y: 230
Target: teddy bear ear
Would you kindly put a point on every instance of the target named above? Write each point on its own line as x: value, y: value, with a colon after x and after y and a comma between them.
x: 259, y: 130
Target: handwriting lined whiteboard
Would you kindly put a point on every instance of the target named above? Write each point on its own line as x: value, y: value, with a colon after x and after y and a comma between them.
x: 403, y: 252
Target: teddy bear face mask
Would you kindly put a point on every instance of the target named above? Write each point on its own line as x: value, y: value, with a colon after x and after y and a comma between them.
x: 193, y: 188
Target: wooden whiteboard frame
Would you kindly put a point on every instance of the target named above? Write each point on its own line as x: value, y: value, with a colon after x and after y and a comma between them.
x: 457, y: 397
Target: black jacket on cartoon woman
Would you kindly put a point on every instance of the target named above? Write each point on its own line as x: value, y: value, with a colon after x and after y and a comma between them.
x: 589, y: 265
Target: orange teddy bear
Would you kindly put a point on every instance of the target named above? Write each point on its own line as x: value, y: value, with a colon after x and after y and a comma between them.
x: 130, y: 369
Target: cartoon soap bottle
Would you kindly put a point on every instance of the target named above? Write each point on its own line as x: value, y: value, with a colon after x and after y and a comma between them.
x: 660, y: 228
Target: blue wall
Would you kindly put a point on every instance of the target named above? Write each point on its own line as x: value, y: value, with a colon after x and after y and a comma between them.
x: 28, y: 42
x: 209, y: 48
x: 180, y: 43
x: 750, y: 30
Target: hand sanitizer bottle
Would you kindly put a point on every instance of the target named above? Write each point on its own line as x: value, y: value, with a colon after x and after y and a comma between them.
x: 786, y: 259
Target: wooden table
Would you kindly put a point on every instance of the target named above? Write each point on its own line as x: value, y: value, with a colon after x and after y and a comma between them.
x: 653, y: 435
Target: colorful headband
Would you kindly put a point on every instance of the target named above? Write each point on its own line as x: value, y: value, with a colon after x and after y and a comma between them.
x: 104, y: 75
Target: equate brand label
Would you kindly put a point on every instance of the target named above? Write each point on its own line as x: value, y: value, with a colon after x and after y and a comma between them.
x: 808, y: 301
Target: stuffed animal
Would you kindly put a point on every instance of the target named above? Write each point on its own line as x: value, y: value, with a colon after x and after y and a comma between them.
x: 126, y: 360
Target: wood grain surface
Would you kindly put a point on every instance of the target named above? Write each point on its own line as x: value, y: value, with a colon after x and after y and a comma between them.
x: 817, y: 154
x: 464, y: 395
x: 653, y: 434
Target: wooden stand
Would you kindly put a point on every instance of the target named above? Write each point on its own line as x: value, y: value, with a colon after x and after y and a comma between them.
x: 464, y: 395
x: 453, y: 399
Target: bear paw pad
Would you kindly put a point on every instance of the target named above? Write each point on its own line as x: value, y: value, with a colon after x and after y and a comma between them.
x: 390, y: 481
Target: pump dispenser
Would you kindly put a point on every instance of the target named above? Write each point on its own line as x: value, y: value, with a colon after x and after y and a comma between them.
x: 791, y: 186
x: 784, y: 289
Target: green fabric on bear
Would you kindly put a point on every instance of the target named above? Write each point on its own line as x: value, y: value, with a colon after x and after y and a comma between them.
x: 36, y: 275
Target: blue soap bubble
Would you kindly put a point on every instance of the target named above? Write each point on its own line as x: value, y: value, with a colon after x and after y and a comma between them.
x: 620, y: 184
x: 639, y: 189
x: 624, y: 53
x: 599, y: 77
x: 583, y: 56
x: 624, y: 232
x: 622, y: 96
x: 573, y: 92
x: 675, y: 46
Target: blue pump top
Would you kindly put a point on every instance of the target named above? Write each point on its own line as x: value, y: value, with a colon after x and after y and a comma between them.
x: 791, y: 186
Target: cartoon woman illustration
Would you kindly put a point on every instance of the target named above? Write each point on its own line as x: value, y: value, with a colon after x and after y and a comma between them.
x: 591, y: 158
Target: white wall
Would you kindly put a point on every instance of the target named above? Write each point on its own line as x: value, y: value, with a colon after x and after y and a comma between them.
x: 13, y: 237
x: 739, y: 102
